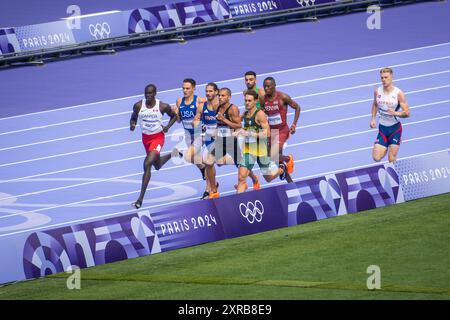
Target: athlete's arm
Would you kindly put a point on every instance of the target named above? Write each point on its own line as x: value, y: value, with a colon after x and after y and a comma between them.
x: 235, y: 118
x: 134, y: 116
x: 294, y: 105
x: 167, y: 109
x: 261, y: 119
x: 261, y: 95
x: 198, y: 113
x: 403, y: 104
x: 374, y: 110
x: 176, y: 109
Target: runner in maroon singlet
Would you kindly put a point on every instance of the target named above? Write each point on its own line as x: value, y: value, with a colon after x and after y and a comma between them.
x: 275, y: 105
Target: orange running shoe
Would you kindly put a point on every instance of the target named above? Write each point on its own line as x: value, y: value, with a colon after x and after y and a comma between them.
x: 290, y: 164
x: 213, y: 195
x: 256, y: 185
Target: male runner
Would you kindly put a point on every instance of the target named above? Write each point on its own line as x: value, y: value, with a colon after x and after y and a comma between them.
x: 149, y: 112
x: 387, y: 102
x: 207, y: 118
x: 186, y: 109
x: 256, y: 132
x: 250, y: 82
x: 275, y: 105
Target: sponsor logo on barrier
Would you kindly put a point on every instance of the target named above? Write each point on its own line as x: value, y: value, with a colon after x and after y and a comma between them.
x: 100, y: 30
x: 252, y: 211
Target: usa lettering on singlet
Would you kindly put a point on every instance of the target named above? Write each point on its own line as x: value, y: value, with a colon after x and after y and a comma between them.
x: 187, y: 112
x: 385, y: 102
x: 150, y: 119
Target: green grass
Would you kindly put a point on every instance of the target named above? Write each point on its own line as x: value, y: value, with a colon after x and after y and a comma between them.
x: 321, y: 260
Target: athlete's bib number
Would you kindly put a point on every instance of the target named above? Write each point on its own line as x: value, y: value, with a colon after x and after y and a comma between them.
x: 275, y: 119
x: 150, y: 126
x: 211, y: 129
x: 187, y: 124
x: 250, y: 139
x: 224, y: 132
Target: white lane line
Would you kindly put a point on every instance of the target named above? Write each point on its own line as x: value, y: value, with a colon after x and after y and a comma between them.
x: 235, y: 93
x: 170, y: 135
x: 237, y: 79
x: 289, y: 145
x: 191, y: 181
x: 108, y: 215
x: 313, y: 109
x: 64, y: 138
x: 373, y: 84
x: 341, y: 75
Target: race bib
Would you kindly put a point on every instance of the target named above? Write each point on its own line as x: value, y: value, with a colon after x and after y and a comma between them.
x: 275, y: 119
x: 250, y: 139
x: 211, y: 129
x: 224, y: 132
x: 187, y: 124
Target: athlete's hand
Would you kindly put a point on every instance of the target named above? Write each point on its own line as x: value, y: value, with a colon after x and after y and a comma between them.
x: 292, y: 129
x: 132, y: 127
x: 391, y: 112
x: 220, y: 117
x: 165, y: 129
x: 373, y: 124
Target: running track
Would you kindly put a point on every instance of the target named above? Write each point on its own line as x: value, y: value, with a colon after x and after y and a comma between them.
x: 73, y: 164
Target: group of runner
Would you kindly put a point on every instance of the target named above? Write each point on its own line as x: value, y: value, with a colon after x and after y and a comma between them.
x: 214, y: 130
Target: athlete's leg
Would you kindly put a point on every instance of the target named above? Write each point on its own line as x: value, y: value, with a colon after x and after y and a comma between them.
x: 274, y: 175
x: 161, y: 161
x: 148, y: 162
x: 379, y: 152
x: 264, y: 165
x: 242, y: 177
x: 394, y: 140
x: 393, y: 151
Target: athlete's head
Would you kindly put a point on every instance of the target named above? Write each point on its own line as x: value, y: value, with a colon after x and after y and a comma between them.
x: 150, y: 92
x: 224, y: 95
x: 250, y: 98
x: 188, y: 87
x: 269, y: 86
x: 211, y: 91
x: 250, y: 79
x: 386, y: 75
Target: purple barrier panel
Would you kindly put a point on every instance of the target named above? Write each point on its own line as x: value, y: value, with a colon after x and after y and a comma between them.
x: 342, y: 193
x: 424, y: 176
x: 370, y: 188
x: 292, y: 4
x: 45, y: 35
x: 176, y: 15
x: 313, y: 199
x: 8, y: 41
x: 89, y: 244
x: 242, y: 8
x: 251, y: 212
x: 100, y: 27
x: 188, y: 225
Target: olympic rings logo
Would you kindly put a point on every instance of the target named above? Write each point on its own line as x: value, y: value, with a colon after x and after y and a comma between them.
x: 100, y: 30
x: 252, y: 211
x: 306, y: 3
